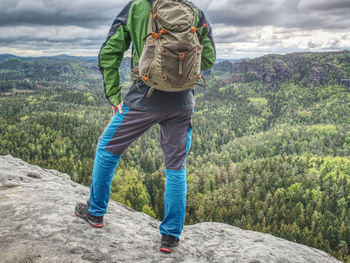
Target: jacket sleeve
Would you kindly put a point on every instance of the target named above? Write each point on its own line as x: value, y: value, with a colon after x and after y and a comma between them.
x: 207, y: 41
x: 111, y: 55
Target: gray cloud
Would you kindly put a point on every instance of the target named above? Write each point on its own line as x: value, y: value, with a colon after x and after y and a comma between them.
x: 324, y: 5
x: 311, y: 14
x: 241, y: 27
x: 54, y: 34
x: 304, y: 14
x: 85, y: 13
x: 243, y: 13
x: 67, y: 39
x: 311, y: 44
x: 89, y: 13
x: 234, y: 34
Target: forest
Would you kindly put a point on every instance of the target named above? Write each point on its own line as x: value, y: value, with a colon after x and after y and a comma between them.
x: 270, y: 158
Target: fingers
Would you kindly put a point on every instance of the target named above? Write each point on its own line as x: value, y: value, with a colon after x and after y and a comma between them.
x: 117, y: 108
x: 114, y: 109
x: 120, y: 108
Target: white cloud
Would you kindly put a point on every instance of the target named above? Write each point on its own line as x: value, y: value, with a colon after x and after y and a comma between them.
x: 257, y: 41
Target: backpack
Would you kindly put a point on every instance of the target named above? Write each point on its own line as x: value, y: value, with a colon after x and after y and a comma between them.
x: 171, y: 57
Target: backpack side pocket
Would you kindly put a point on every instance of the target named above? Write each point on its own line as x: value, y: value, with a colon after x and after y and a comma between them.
x: 146, y: 60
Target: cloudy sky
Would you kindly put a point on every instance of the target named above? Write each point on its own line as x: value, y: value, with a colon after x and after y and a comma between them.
x: 242, y: 28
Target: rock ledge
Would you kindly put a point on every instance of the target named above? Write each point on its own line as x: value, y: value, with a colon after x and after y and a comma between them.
x: 38, y: 225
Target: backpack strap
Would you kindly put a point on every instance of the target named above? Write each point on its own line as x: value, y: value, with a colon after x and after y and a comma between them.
x: 132, y: 57
x: 134, y: 70
x: 195, y: 30
x: 150, y: 91
x: 153, y: 16
x: 199, y: 84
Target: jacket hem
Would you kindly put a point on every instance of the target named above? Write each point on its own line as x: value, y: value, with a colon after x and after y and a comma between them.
x: 148, y: 108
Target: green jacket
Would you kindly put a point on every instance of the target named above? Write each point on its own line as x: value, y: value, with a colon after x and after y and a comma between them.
x: 131, y: 26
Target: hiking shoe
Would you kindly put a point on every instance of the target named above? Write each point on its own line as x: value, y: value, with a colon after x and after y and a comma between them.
x: 81, y: 210
x: 168, y: 243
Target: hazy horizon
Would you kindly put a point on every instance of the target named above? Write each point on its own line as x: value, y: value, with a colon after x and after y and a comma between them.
x: 128, y: 55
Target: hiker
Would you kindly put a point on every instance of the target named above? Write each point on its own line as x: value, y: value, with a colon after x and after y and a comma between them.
x: 165, y: 98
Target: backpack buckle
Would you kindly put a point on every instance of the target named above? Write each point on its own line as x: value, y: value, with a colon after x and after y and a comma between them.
x: 181, y: 56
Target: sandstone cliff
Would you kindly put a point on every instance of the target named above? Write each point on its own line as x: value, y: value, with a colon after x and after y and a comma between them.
x: 315, y: 69
x: 38, y: 225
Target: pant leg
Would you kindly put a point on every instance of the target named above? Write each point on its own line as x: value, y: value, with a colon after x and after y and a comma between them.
x: 120, y: 133
x: 175, y: 143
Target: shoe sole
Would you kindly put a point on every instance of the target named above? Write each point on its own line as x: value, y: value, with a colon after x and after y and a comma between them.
x: 96, y: 226
x: 166, y: 250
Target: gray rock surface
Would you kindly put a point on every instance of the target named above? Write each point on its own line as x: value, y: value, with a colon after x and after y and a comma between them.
x: 38, y: 225
x: 345, y: 82
x: 317, y: 76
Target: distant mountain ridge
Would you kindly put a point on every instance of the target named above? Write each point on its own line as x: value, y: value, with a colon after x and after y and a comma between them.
x: 88, y: 59
x: 305, y: 68
x: 310, y: 69
x: 219, y: 60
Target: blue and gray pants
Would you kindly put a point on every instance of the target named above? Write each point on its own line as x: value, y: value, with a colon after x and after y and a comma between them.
x: 175, y: 140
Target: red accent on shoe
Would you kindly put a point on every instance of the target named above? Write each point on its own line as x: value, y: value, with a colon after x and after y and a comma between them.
x: 165, y: 250
x: 98, y: 226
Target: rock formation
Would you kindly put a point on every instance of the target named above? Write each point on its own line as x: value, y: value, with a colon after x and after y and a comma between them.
x: 345, y: 82
x: 38, y: 225
x: 317, y: 76
x: 316, y: 68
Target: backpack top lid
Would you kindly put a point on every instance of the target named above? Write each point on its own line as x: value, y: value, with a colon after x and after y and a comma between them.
x: 173, y: 15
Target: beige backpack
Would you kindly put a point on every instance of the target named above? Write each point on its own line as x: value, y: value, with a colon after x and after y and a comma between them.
x: 171, y: 58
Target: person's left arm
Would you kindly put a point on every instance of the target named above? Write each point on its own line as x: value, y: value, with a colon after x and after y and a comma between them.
x: 206, y: 38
